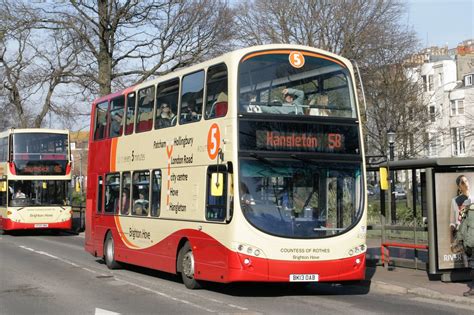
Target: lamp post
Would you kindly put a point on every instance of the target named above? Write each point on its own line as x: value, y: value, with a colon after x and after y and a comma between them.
x: 391, y: 143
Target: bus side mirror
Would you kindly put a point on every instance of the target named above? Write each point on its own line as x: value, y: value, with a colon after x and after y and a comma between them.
x: 383, y: 178
x: 217, y: 184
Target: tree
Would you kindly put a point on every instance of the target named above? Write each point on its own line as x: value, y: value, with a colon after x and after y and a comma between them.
x: 127, y: 42
x: 32, y: 72
x: 365, y: 31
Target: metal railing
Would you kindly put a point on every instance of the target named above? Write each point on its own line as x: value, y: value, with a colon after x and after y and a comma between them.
x: 78, y: 218
x: 414, y: 243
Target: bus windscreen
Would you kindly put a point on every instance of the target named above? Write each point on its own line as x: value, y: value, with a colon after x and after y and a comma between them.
x: 272, y: 83
x: 40, y: 153
x: 22, y: 193
x: 296, y: 199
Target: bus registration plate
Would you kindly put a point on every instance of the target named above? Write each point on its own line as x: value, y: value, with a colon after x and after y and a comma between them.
x: 304, y: 277
x: 43, y: 225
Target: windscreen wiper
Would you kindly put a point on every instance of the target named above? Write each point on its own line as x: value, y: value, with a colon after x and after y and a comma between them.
x: 293, y: 156
x: 261, y: 158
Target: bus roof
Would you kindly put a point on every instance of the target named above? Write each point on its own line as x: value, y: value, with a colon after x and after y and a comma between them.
x: 35, y: 130
x: 235, y: 55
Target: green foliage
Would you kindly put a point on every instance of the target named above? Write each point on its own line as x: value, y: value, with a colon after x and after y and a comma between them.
x: 78, y: 198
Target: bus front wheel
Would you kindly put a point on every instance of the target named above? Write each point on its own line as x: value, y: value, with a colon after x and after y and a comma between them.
x: 109, y: 252
x: 186, y: 263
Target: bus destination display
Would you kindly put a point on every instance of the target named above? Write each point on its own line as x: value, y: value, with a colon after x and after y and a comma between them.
x: 298, y: 137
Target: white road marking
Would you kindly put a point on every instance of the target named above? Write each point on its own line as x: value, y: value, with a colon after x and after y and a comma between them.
x: 167, y: 296
x: 99, y: 311
x: 139, y: 286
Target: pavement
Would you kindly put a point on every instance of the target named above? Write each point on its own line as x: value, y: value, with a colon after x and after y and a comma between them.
x: 401, y: 280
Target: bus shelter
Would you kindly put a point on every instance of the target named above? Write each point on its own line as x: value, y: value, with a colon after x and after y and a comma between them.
x: 432, y: 190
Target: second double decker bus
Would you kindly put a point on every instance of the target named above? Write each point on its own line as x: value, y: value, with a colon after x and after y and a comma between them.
x: 248, y: 167
x: 35, y: 174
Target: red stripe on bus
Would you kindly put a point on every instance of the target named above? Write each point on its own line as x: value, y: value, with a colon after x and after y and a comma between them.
x: 9, y: 225
x: 122, y: 234
x: 216, y: 262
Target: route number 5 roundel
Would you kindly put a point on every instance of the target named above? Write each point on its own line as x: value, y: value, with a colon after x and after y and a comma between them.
x: 296, y: 59
x: 213, y: 141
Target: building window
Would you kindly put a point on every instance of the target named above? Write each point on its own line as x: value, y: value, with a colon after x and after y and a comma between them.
x: 432, y: 113
x: 440, y: 79
x: 457, y: 107
x: 468, y: 80
x: 433, y: 144
x: 457, y: 136
x: 428, y: 83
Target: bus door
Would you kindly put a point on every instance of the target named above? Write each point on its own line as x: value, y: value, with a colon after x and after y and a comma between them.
x: 97, y: 214
x: 3, y: 200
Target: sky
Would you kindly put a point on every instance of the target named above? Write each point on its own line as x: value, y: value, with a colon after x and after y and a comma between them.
x: 441, y: 22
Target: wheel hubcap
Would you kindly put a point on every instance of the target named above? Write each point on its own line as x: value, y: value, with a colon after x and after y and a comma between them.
x: 110, y: 251
x: 188, y: 264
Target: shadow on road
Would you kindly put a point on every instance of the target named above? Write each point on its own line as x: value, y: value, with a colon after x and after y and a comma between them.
x: 42, y: 232
x: 264, y: 289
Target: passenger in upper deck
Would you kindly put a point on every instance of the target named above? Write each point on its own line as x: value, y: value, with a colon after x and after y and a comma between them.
x: 294, y: 97
x: 189, y: 112
x: 166, y: 116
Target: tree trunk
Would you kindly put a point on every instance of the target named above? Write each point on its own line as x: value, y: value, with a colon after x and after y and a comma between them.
x: 105, y: 58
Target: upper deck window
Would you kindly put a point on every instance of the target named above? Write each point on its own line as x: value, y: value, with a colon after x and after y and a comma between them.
x: 100, y: 120
x: 191, y: 98
x: 130, y: 113
x: 146, y: 99
x: 116, y: 117
x: 167, y: 104
x: 40, y: 146
x: 311, y: 84
x: 216, y: 105
x: 3, y: 149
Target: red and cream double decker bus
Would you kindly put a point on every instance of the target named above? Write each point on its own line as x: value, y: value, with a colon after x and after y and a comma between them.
x: 35, y: 174
x: 247, y: 167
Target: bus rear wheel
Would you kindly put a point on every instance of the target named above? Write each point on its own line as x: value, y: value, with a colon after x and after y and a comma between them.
x: 109, y: 252
x: 186, y: 264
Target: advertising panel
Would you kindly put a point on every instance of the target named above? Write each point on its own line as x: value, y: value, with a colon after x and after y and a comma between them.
x: 452, y: 195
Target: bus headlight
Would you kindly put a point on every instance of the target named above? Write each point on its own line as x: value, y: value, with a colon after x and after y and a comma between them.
x: 249, y: 250
x: 357, y: 250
